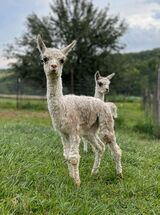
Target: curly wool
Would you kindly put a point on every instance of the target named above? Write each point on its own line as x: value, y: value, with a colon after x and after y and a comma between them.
x: 77, y: 116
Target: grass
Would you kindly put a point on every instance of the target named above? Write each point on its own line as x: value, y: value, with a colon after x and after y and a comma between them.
x: 28, y: 104
x: 34, y: 177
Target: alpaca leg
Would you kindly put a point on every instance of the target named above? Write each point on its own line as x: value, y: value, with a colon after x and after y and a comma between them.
x: 98, y: 148
x: 110, y: 138
x: 96, y: 163
x: 98, y: 157
x: 115, y: 112
x: 116, y: 151
x: 75, y: 170
x: 66, y: 146
x: 85, y: 145
x: 74, y: 158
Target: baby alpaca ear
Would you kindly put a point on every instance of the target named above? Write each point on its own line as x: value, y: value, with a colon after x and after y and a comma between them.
x: 40, y: 44
x: 97, y: 76
x: 110, y: 76
x: 68, y: 48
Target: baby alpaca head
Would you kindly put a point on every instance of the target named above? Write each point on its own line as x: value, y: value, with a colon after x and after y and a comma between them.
x: 52, y: 58
x: 102, y: 83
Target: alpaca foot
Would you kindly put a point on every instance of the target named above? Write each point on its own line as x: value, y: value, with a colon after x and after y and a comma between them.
x: 78, y: 183
x: 73, y: 161
x: 94, y: 172
x: 70, y: 175
x: 120, y: 175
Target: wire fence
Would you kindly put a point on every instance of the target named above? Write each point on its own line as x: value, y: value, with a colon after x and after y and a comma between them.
x: 151, y: 101
x: 26, y: 93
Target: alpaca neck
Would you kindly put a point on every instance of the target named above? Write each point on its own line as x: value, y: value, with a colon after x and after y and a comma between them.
x: 99, y: 95
x: 54, y: 93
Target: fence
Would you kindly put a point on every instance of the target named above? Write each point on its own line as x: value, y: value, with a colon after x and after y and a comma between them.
x: 151, y: 100
x: 156, y: 100
x: 24, y: 91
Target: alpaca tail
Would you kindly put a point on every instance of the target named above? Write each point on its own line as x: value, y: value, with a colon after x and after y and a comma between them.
x: 113, y: 109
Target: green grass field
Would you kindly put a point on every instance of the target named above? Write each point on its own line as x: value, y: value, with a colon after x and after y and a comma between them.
x: 34, y: 177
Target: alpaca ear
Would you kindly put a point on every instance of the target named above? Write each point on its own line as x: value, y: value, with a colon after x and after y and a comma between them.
x: 110, y: 76
x: 97, y: 75
x: 40, y: 44
x: 68, y: 48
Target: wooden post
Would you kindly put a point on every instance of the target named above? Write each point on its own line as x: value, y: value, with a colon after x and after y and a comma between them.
x: 18, y: 92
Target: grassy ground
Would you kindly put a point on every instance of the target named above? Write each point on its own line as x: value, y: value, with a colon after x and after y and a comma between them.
x: 34, y: 178
x: 27, y: 104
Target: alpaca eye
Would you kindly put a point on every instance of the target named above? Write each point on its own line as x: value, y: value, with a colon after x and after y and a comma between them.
x: 61, y: 61
x: 45, y: 59
x: 100, y: 84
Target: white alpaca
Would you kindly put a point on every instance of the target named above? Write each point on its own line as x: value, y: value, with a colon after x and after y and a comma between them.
x: 101, y: 88
x: 75, y: 116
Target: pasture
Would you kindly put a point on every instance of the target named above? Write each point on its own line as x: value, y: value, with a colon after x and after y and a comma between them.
x: 34, y: 177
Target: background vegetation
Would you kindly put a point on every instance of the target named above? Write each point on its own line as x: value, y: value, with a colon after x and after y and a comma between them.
x: 97, y: 34
x: 137, y: 71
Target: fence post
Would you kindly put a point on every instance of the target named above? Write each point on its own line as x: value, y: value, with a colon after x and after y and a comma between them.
x: 18, y: 92
x: 158, y: 97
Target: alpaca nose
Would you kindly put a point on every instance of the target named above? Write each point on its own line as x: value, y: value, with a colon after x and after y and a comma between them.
x: 54, y: 66
x: 107, y: 90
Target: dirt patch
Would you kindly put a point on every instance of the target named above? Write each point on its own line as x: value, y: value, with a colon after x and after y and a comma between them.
x: 8, y: 114
x: 22, y: 114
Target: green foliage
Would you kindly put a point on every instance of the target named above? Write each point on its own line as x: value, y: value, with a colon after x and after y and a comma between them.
x: 7, y: 82
x: 34, y: 176
x: 136, y: 71
x: 25, y: 50
x: 8, y: 85
x: 97, y: 34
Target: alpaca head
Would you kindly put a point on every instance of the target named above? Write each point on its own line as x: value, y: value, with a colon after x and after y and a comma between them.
x: 102, y: 83
x: 52, y: 58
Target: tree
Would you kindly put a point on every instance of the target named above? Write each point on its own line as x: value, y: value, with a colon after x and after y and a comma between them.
x: 25, y: 50
x: 97, y: 36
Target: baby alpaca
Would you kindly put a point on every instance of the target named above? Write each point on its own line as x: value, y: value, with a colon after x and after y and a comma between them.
x: 101, y: 88
x: 75, y: 116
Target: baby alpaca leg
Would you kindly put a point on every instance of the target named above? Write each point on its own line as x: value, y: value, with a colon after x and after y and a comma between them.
x: 74, y: 158
x: 117, y: 153
x: 98, y: 148
x: 110, y: 138
x: 85, y: 145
